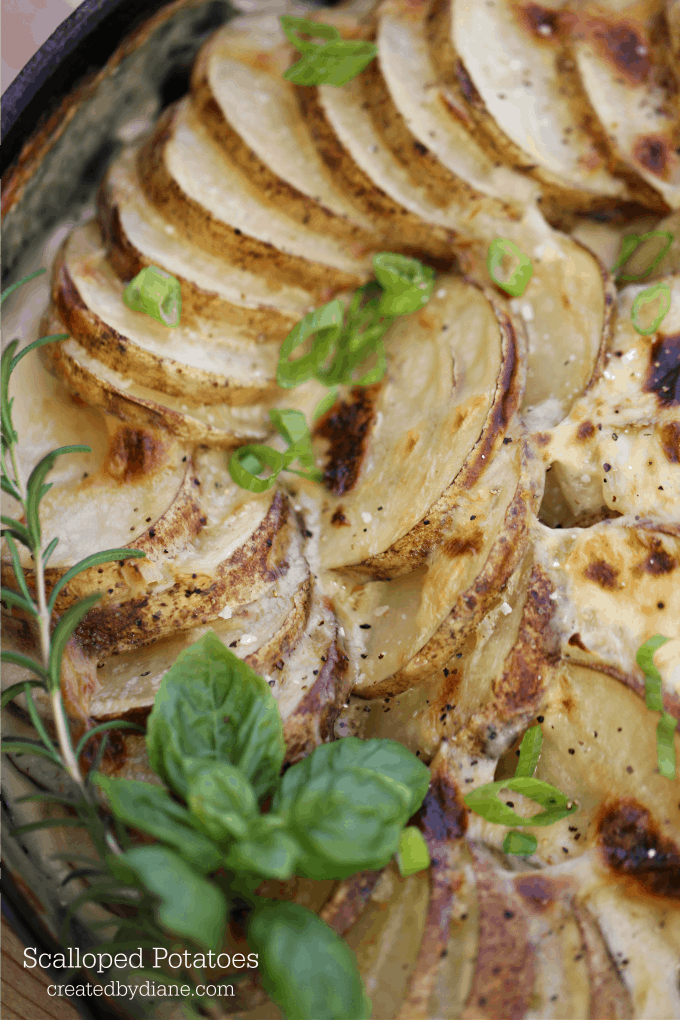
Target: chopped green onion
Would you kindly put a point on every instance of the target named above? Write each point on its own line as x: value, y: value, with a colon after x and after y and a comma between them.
x: 242, y: 467
x: 156, y: 293
x: 332, y: 62
x: 407, y: 283
x: 292, y: 425
x: 484, y: 801
x: 325, y: 404
x: 518, y: 281
x: 292, y: 27
x: 413, y: 854
x: 645, y: 661
x: 631, y: 243
x: 665, y: 745
x: 522, y: 844
x: 658, y: 291
x: 325, y: 326
x: 529, y: 751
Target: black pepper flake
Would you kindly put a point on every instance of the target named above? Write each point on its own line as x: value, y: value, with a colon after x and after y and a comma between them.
x: 363, y: 655
x: 315, y: 672
x: 474, y: 517
x: 572, y: 750
x: 508, y: 914
x: 446, y: 672
x: 272, y: 683
x: 540, y: 718
x: 426, y: 522
x: 308, y: 533
x: 364, y: 626
x: 606, y: 467
x: 629, y: 769
x: 152, y: 533
x: 506, y: 441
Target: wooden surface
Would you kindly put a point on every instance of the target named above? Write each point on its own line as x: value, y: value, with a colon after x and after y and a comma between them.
x: 24, y: 991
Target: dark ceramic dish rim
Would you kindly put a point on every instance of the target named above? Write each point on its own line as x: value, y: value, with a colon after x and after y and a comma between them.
x: 77, y: 49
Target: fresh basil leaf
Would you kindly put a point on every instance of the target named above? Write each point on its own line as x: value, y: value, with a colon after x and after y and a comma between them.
x: 529, y: 752
x: 304, y: 966
x: 221, y: 799
x: 405, y: 773
x: 347, y: 803
x: 270, y: 850
x: 190, y: 906
x: 211, y: 705
x: 151, y: 809
x: 484, y: 801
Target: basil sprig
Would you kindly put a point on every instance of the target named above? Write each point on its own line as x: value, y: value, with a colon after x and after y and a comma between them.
x: 331, y: 61
x: 484, y: 800
x: 216, y: 738
x: 665, y: 730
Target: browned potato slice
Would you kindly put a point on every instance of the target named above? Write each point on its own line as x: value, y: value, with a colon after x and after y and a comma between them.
x: 252, y: 112
x: 616, y: 585
x: 93, y: 382
x: 618, y: 452
x: 187, y: 175
x: 633, y: 87
x: 429, y: 429
x: 565, y: 310
x: 204, y: 362
x: 526, y: 102
x: 140, y: 236
x: 400, y: 631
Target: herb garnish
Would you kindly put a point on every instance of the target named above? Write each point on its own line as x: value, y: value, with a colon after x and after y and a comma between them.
x: 657, y: 292
x: 248, y: 462
x: 156, y: 293
x: 335, y: 61
x: 215, y: 738
x: 484, y: 800
x: 665, y: 730
x: 517, y: 282
x: 630, y: 244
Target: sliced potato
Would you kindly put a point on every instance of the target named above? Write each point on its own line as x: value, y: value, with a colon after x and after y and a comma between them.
x: 618, y: 452
x: 401, y: 630
x: 628, y: 72
x: 138, y: 235
x: 93, y: 382
x: 526, y: 102
x: 252, y: 111
x: 204, y: 363
x: 616, y: 585
x: 211, y: 203
x: 430, y: 428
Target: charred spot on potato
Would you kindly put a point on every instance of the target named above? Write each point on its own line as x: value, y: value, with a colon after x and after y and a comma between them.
x: 585, y: 430
x: 464, y: 545
x: 538, y: 891
x: 543, y: 22
x: 443, y: 816
x: 603, y: 574
x: 663, y: 377
x: 653, y: 154
x: 576, y: 642
x: 625, y: 47
x: 633, y: 847
x: 338, y: 520
x: 135, y: 453
x: 670, y: 441
x: 658, y: 562
x: 345, y: 426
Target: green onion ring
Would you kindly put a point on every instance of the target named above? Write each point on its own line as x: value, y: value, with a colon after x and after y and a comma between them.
x: 518, y: 282
x: 156, y: 293
x: 645, y: 297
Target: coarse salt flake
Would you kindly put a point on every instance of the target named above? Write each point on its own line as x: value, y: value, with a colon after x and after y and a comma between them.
x: 366, y: 517
x: 226, y: 613
x: 248, y: 639
x: 506, y: 609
